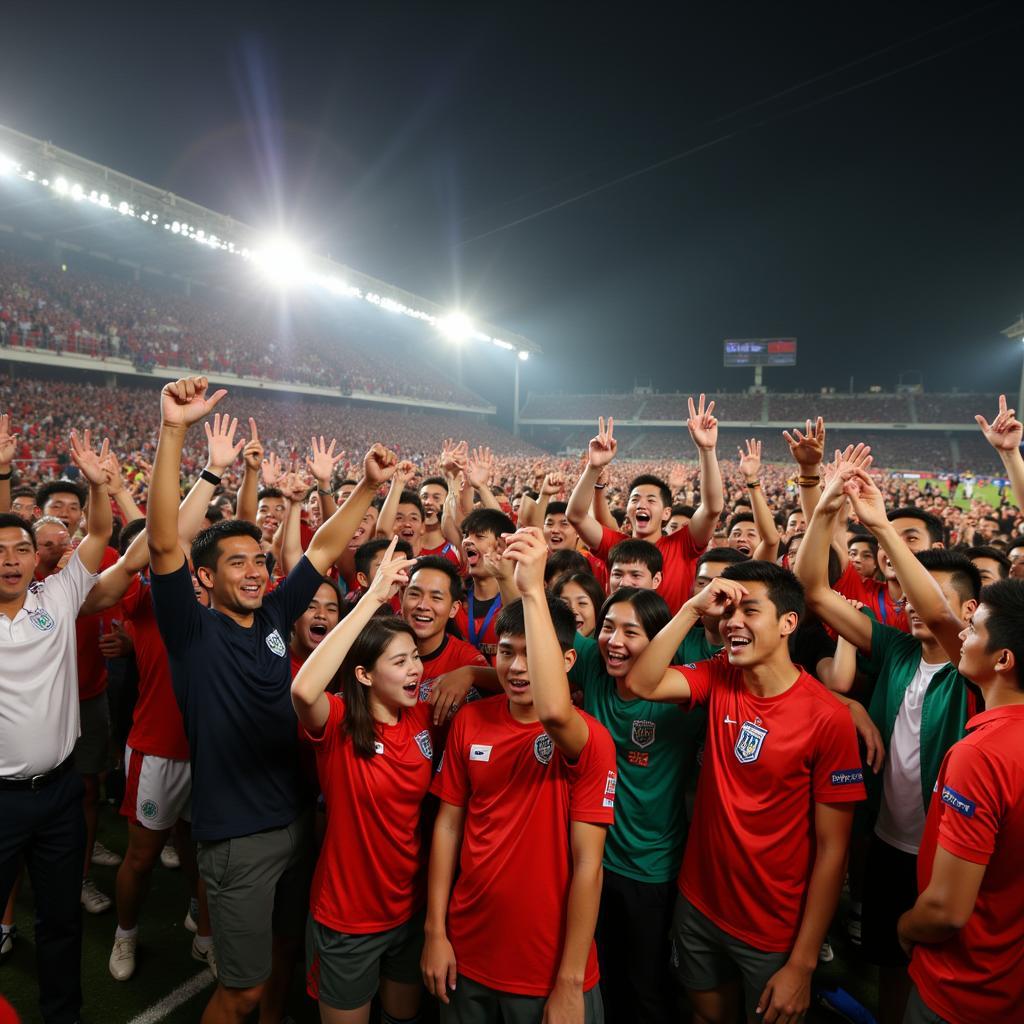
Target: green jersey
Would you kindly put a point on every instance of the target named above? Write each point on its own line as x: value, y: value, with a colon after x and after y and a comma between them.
x: 656, y: 749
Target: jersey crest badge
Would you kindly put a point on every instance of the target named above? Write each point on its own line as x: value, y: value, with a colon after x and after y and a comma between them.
x: 543, y: 748
x: 425, y: 687
x: 42, y: 620
x: 642, y: 733
x: 748, y: 743
x: 276, y: 644
x: 423, y: 742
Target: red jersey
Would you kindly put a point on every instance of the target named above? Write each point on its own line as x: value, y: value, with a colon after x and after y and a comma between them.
x: 506, y: 917
x: 679, y: 554
x: 977, y: 814
x: 445, y: 550
x: 874, y: 594
x: 370, y: 876
x: 599, y: 568
x: 452, y: 654
x: 767, y: 761
x: 157, y: 726
x: 479, y: 630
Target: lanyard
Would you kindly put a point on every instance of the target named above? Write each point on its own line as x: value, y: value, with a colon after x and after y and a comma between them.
x: 476, y: 635
x: 881, y: 606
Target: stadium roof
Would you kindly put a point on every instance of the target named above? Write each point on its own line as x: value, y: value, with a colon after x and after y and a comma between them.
x: 201, y: 244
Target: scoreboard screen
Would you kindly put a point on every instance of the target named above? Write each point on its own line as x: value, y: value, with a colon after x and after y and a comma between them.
x: 760, y: 352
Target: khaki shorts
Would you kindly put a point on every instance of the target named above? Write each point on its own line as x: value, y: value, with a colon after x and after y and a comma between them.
x: 257, y: 886
x: 92, y: 748
x: 343, y: 971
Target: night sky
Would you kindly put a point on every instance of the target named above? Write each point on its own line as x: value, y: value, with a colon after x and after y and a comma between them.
x: 860, y: 185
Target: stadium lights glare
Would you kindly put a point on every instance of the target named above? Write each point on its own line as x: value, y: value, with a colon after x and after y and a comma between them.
x: 456, y: 326
x: 524, y: 355
x: 7, y: 165
x: 61, y: 186
x: 280, y: 259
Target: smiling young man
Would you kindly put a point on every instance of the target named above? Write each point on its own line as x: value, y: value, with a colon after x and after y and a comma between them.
x: 766, y: 856
x: 232, y: 680
x: 634, y: 563
x: 433, y: 492
x: 649, y: 505
x: 527, y: 790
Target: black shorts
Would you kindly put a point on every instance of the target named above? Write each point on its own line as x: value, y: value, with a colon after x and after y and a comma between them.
x: 890, y: 889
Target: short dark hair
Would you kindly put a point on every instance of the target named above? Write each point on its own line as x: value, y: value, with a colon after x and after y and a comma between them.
x: 932, y: 523
x: 512, y: 621
x: 864, y: 538
x: 268, y: 492
x: 562, y: 561
x: 12, y: 521
x: 23, y: 491
x: 651, y: 609
x: 206, y: 547
x: 487, y: 520
x: 784, y: 589
x: 213, y: 514
x: 1005, y: 603
x: 633, y: 552
x: 440, y: 564
x: 727, y: 556
x: 62, y: 486
x: 436, y: 481
x: 128, y: 533
x: 988, y: 551
x: 556, y: 508
x: 412, y: 498
x: 683, y: 510
x: 650, y: 480
x: 740, y: 517
x: 369, y: 550
x: 964, y: 575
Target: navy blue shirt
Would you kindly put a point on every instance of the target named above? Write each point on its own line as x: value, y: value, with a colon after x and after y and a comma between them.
x: 233, y: 686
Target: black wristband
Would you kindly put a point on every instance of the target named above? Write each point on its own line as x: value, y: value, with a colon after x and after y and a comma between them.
x: 326, y: 494
x: 210, y: 478
x: 7, y: 475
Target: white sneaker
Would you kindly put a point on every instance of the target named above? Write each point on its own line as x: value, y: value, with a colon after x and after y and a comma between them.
x: 103, y: 857
x: 92, y: 899
x: 122, y: 958
x: 169, y: 857
x: 192, y: 917
x: 205, y: 956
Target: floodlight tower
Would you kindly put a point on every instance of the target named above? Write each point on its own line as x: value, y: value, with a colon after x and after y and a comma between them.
x: 1016, y: 330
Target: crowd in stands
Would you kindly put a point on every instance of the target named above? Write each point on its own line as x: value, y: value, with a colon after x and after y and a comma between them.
x: 46, y: 308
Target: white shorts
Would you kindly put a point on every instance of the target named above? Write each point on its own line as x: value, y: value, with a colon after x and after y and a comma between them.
x: 158, y: 790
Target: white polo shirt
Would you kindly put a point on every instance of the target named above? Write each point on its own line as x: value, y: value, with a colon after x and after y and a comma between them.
x: 39, y: 674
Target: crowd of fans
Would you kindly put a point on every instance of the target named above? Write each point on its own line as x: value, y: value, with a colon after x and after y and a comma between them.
x: 46, y: 308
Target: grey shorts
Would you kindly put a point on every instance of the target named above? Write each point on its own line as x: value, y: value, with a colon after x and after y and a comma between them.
x: 92, y: 749
x: 343, y: 971
x: 473, y: 1003
x: 704, y: 957
x: 257, y: 886
x: 917, y: 1011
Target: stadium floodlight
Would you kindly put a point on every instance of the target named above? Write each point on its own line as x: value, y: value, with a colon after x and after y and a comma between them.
x: 77, y: 192
x: 7, y: 165
x: 61, y: 186
x: 456, y: 326
x: 281, y: 260
x: 507, y: 345
x: 524, y: 355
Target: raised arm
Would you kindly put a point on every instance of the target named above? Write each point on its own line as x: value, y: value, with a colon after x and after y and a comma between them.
x: 532, y: 513
x: 920, y: 587
x: 182, y: 403
x: 94, y: 467
x: 750, y: 467
x: 479, y: 472
x: 120, y: 493
x: 808, y: 451
x: 1004, y: 434
x: 703, y: 429
x: 404, y: 472
x: 308, y: 696
x: 321, y: 463
x: 288, y: 537
x: 114, y: 581
x: 330, y: 540
x: 7, y: 448
x: 222, y: 450
x: 252, y: 455
x: 600, y: 451
x: 599, y: 508
x: 549, y: 681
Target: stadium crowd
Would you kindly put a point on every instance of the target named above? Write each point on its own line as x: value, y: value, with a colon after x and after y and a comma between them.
x: 462, y: 727
x: 44, y: 307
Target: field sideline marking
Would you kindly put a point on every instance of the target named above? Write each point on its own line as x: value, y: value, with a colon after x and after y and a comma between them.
x: 181, y: 995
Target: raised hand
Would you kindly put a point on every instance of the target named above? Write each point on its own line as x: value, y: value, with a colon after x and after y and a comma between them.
x: 93, y: 465
x: 717, y: 596
x: 379, y: 465
x: 702, y: 424
x: 184, y: 402
x: 554, y: 483
x: 252, y: 453
x: 807, y: 449
x: 1004, y: 433
x: 480, y: 467
x: 404, y: 472
x: 272, y: 468
x: 528, y: 550
x: 220, y: 440
x: 115, y: 478
x: 750, y: 461
x: 866, y: 499
x: 294, y: 486
x: 603, y: 446
x: 677, y: 477
x: 392, y: 573
x: 7, y: 443
x: 323, y: 460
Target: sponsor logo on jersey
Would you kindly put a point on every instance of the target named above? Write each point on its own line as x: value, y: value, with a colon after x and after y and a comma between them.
x: 479, y: 752
x: 847, y: 777
x: 749, y: 742
x: 609, y: 785
x: 425, y: 687
x: 423, y: 742
x: 639, y: 758
x: 276, y: 644
x: 543, y: 748
x: 42, y: 620
x: 959, y: 803
x: 642, y: 732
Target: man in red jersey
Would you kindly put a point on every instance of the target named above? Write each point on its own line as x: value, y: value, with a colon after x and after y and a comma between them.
x: 527, y: 789
x: 322, y: 615
x: 433, y: 492
x: 649, y: 506
x: 766, y: 856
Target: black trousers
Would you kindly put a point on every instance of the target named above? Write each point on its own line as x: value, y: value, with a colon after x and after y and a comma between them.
x: 46, y: 827
x: 633, y: 949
